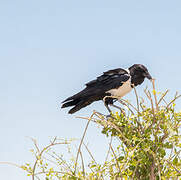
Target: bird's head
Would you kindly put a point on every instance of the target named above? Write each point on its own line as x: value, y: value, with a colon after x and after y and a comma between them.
x: 140, y: 70
x: 138, y: 73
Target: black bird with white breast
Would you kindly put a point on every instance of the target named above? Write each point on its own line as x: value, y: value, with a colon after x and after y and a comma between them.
x: 116, y: 83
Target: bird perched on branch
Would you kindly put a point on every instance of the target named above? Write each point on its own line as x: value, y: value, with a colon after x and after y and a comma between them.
x: 115, y: 83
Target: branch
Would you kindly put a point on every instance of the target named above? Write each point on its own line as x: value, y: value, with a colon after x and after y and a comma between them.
x: 154, y: 94
x: 82, y: 141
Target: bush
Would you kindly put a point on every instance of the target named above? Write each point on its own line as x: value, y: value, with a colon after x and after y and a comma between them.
x: 149, y: 145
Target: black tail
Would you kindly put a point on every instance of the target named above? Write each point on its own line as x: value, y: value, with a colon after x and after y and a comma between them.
x: 80, y: 100
x: 77, y: 105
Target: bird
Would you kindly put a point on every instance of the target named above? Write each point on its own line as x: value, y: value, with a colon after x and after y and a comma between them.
x: 112, y: 83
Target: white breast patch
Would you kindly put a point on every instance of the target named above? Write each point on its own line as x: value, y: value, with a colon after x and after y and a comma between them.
x: 122, y: 90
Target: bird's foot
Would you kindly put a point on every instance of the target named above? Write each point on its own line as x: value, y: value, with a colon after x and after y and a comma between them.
x: 109, y: 117
x: 122, y: 111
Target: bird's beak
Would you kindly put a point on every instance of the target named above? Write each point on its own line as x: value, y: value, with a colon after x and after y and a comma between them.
x: 147, y: 75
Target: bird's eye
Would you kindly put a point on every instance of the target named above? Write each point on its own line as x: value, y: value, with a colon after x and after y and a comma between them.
x: 140, y: 69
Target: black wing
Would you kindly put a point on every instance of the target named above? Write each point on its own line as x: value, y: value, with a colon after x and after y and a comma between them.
x: 110, y: 80
x: 96, y: 89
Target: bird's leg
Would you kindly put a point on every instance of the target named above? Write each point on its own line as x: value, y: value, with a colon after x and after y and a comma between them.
x: 108, y: 116
x: 122, y: 110
x: 106, y: 105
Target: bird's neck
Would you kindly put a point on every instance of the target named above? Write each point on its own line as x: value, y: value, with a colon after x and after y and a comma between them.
x: 137, y: 80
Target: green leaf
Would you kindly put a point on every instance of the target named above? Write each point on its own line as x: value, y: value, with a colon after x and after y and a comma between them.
x: 175, y: 161
x: 120, y: 158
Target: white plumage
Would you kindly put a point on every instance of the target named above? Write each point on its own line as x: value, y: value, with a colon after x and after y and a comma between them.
x: 122, y: 90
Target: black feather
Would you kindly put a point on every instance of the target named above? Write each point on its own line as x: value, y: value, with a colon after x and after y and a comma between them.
x: 70, y: 103
x: 79, y: 106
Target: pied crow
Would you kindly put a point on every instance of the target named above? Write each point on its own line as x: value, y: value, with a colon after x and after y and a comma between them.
x: 116, y: 82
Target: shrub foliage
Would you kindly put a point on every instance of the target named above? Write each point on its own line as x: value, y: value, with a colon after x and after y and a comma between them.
x: 149, y: 145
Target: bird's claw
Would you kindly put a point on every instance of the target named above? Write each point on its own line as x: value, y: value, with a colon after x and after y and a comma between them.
x: 108, y: 117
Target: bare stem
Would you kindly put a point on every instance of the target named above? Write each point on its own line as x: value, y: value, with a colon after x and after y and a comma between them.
x: 115, y: 159
x: 162, y: 98
x: 152, y: 174
x: 82, y: 141
x: 154, y: 94
x: 83, y: 168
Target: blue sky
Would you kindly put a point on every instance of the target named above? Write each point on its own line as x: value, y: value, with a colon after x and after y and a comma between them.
x: 50, y: 49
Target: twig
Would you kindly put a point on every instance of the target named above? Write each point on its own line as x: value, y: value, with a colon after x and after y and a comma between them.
x: 159, y: 170
x: 65, y: 164
x: 148, y: 94
x: 174, y: 167
x: 41, y: 152
x: 128, y: 106
x: 82, y: 141
x: 89, y: 153
x: 138, y: 110
x: 136, y: 168
x: 171, y: 102
x: 123, y: 138
x: 160, y: 100
x: 91, y: 156
x: 108, y: 150
x: 154, y: 94
x: 165, y: 102
x: 83, y: 168
x: 121, y: 102
x: 137, y: 100
x: 115, y: 159
x: 152, y: 174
